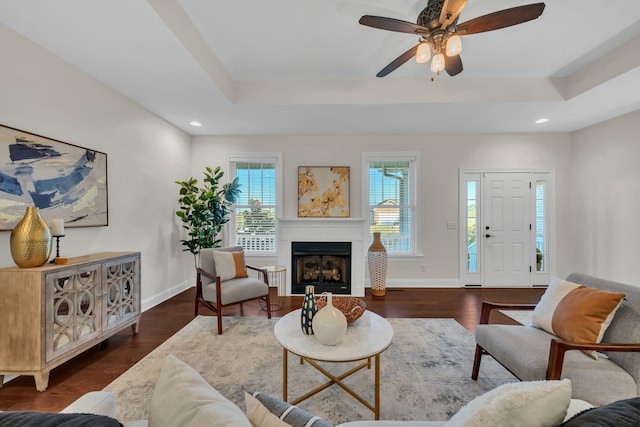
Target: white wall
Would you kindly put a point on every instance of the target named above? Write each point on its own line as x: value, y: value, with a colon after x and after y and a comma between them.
x: 597, y: 175
x: 441, y: 158
x: 605, y: 199
x: 44, y: 95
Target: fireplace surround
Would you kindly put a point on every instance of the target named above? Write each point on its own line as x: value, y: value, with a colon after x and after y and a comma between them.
x: 324, y: 230
x: 325, y: 265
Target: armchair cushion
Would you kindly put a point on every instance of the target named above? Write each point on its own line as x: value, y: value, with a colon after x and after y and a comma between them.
x: 235, y: 290
x: 576, y: 313
x: 229, y: 265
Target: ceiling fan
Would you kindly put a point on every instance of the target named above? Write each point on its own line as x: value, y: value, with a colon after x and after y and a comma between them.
x: 440, y: 33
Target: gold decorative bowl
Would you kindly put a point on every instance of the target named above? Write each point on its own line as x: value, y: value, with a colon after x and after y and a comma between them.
x: 351, y: 307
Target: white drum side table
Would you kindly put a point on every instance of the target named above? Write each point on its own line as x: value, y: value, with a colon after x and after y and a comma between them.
x: 366, y: 338
x: 277, y: 279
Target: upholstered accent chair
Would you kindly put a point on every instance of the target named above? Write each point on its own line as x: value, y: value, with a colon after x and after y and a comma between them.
x: 533, y: 354
x: 228, y: 283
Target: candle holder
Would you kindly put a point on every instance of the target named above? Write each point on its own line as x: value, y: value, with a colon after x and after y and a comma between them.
x: 58, y: 259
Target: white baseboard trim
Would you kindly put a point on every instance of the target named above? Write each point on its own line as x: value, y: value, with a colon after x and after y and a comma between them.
x: 161, y: 297
x: 421, y: 283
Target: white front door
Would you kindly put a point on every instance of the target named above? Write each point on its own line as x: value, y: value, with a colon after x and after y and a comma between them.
x: 505, y: 232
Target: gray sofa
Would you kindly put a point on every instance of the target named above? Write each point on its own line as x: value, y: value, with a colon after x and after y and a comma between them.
x: 533, y: 354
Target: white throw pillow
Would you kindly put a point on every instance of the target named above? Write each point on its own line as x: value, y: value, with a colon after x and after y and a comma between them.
x: 182, y: 398
x: 229, y: 265
x: 522, y: 404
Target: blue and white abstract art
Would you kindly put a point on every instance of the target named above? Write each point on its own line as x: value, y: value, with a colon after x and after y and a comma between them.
x: 63, y: 180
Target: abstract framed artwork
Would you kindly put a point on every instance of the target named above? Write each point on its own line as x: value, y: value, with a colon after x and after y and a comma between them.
x: 323, y: 191
x: 62, y: 180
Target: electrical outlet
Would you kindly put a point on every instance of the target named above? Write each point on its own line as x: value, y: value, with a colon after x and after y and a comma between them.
x: 451, y: 225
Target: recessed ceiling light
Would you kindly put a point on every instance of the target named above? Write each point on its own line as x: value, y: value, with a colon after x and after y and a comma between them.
x: 542, y: 120
x: 196, y: 124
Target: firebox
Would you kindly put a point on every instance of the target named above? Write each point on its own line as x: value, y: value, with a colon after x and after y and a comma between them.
x: 325, y: 265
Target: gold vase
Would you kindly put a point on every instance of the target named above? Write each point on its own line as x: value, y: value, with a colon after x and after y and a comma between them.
x: 30, y: 240
x: 377, y: 260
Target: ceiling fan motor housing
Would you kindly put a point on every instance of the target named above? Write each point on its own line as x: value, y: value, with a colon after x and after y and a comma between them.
x: 430, y: 15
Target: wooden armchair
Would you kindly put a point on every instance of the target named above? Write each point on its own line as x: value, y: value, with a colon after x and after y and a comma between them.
x: 215, y: 293
x: 532, y: 354
x: 557, y: 348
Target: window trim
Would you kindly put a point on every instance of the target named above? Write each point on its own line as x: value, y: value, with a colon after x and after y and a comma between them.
x: 413, y: 157
x: 262, y: 157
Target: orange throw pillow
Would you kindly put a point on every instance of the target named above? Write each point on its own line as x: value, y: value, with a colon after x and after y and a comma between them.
x: 576, y: 313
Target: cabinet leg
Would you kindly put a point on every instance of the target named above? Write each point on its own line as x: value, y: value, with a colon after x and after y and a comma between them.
x: 134, y: 328
x: 42, y: 380
x: 1, y: 380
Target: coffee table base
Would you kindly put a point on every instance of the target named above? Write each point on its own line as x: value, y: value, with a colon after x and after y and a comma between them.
x: 334, y: 379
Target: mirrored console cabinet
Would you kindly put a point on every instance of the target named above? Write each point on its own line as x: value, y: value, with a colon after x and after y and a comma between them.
x: 52, y: 313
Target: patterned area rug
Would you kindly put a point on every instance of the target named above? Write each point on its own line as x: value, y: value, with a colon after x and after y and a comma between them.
x: 425, y: 373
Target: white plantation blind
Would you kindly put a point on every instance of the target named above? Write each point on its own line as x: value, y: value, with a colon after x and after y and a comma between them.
x: 254, y: 225
x: 392, y: 201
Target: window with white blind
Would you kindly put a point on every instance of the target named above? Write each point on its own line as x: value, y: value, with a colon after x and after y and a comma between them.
x: 391, y: 203
x: 254, y: 220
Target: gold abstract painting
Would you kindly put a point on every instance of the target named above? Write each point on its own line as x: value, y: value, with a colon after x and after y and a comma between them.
x: 323, y: 191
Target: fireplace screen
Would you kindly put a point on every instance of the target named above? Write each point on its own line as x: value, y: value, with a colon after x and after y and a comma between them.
x: 325, y: 265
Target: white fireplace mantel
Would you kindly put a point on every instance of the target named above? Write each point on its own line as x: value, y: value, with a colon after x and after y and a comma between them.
x: 324, y: 230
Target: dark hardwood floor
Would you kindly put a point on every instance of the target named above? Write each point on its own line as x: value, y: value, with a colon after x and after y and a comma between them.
x: 96, y: 368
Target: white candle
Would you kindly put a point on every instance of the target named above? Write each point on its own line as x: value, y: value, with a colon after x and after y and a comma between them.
x: 57, y: 227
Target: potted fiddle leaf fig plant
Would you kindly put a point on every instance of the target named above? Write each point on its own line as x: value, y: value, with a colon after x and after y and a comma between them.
x: 205, y: 209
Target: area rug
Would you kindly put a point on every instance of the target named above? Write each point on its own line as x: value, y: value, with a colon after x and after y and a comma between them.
x: 425, y: 373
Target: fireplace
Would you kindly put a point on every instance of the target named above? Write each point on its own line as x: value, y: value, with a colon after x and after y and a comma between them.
x: 325, y: 265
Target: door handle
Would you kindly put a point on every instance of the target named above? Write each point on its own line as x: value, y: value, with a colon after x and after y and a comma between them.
x: 488, y: 235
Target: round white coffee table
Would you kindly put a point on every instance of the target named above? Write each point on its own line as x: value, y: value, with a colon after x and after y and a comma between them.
x: 366, y: 338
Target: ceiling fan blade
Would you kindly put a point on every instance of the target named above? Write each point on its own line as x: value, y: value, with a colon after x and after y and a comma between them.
x: 392, y: 24
x: 450, y: 11
x: 398, y: 61
x: 453, y: 65
x: 501, y: 19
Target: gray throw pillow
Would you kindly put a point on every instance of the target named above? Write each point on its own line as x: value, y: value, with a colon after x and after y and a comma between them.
x: 623, y: 413
x: 46, y: 419
x: 289, y: 414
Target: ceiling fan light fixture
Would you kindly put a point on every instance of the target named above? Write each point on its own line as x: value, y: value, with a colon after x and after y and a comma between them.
x: 423, y: 54
x: 454, y: 45
x: 437, y: 64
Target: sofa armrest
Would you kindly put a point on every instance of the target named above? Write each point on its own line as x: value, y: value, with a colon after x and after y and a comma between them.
x: 94, y: 402
x: 559, y: 347
x: 488, y: 307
